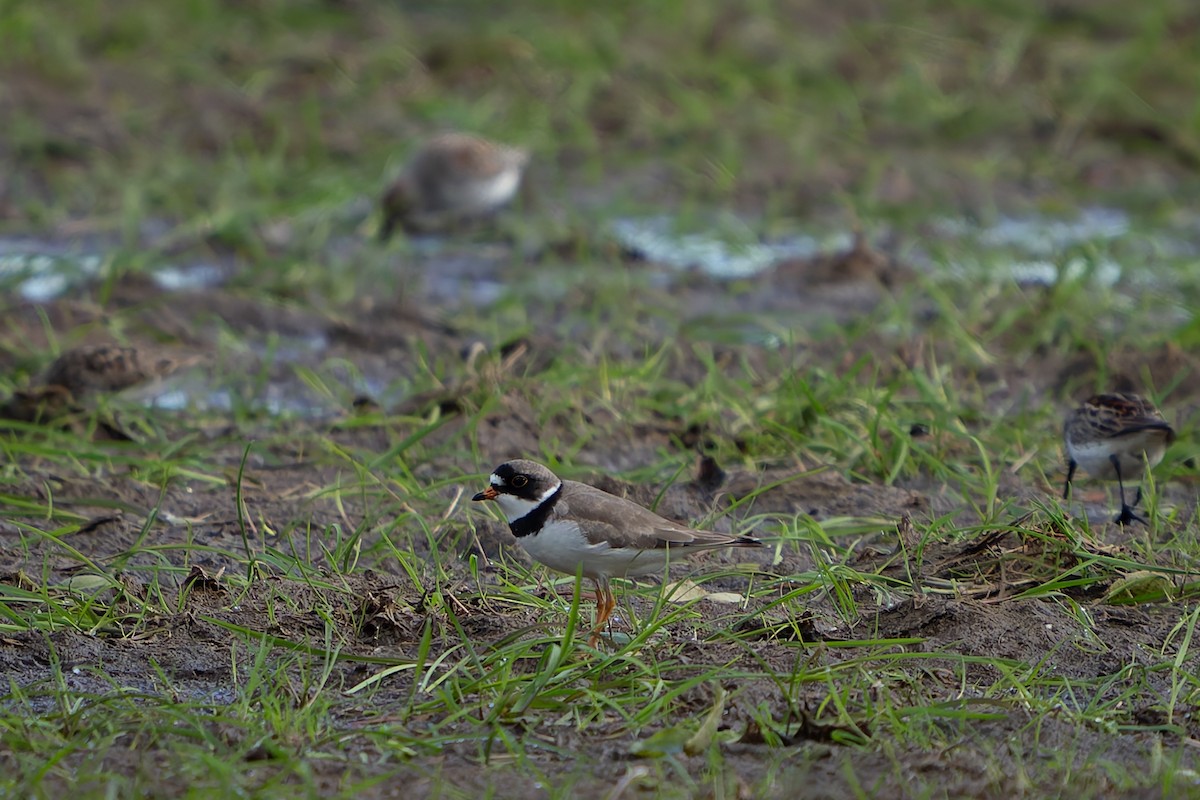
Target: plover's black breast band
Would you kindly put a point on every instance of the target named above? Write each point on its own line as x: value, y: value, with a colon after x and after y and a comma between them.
x: 535, y: 519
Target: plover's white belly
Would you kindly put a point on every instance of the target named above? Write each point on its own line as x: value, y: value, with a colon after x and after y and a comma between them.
x: 1133, y: 451
x: 561, y: 546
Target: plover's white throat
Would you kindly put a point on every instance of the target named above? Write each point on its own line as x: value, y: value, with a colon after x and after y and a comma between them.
x: 575, y: 528
x: 1115, y: 437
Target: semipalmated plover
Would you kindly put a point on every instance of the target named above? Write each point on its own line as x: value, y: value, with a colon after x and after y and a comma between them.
x: 452, y: 178
x: 1115, y: 436
x: 575, y: 528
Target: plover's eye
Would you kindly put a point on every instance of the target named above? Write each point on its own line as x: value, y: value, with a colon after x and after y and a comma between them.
x: 519, y: 481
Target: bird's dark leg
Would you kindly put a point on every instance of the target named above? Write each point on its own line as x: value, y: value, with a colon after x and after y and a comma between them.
x: 387, y: 227
x: 1127, y: 514
x: 1071, y: 467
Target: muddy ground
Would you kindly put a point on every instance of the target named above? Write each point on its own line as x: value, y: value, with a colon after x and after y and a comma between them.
x: 130, y: 521
x: 232, y: 140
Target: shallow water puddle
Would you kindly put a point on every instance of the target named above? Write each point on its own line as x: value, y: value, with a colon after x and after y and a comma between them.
x: 290, y: 395
x: 728, y: 250
x: 1103, y: 246
x: 277, y: 400
x: 193, y: 277
x: 40, y: 271
x: 1041, y: 235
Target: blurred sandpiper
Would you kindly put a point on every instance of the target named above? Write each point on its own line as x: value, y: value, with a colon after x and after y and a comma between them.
x: 453, y: 178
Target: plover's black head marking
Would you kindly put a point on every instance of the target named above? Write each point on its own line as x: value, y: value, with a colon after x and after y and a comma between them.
x: 524, y: 479
x: 526, y: 492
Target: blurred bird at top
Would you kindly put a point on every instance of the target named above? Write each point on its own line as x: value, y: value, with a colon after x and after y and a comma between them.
x: 452, y: 179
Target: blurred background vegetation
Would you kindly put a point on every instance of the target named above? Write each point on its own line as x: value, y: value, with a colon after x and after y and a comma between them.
x: 208, y: 110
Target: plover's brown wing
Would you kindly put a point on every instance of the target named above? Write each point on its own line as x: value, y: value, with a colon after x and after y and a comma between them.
x: 604, y: 517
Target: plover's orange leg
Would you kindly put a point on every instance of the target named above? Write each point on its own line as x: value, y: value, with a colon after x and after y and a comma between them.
x: 605, y: 603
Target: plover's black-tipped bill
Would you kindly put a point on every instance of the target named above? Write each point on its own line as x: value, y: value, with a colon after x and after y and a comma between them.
x: 489, y: 493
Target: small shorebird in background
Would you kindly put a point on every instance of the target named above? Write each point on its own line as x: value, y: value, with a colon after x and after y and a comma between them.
x: 1114, y: 437
x: 103, y: 368
x: 83, y: 373
x: 453, y: 178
